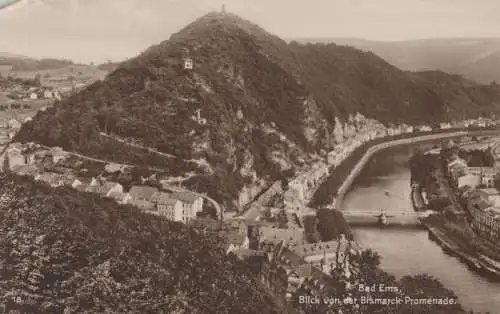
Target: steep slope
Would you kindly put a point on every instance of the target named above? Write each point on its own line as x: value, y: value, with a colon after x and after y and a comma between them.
x: 475, y: 58
x: 62, y: 250
x: 267, y: 104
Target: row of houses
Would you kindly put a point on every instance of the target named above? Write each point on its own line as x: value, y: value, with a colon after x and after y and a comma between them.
x: 288, y: 263
x: 287, y: 266
x: 483, y: 206
x: 178, y: 206
x: 360, y: 131
x: 35, y: 93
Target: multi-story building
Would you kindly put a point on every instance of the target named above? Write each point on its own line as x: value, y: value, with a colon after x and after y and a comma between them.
x: 328, y: 256
x: 470, y: 180
x: 177, y: 206
x: 52, y: 179
x: 284, y: 272
x: 192, y: 202
x: 486, y: 222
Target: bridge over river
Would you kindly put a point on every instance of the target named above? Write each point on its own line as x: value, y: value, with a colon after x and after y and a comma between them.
x: 384, y: 216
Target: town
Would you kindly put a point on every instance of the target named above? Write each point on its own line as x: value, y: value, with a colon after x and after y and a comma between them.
x: 270, y: 230
x: 462, y: 186
x: 225, y: 168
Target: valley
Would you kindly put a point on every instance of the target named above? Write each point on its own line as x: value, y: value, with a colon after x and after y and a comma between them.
x: 208, y: 174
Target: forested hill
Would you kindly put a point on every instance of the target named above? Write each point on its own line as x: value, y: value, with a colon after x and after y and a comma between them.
x: 268, y: 104
x: 64, y: 250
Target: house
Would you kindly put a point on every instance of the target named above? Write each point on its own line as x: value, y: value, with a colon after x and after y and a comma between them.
x: 492, y: 195
x: 81, y: 187
x: 458, y: 168
x: 192, y: 202
x: 52, y: 179
x: 296, y: 187
x: 47, y: 93
x: 14, y: 124
x: 171, y: 208
x: 57, y: 95
x: 284, y: 272
x: 444, y: 125
x: 471, y: 180
x: 82, y: 184
x: 112, y: 168
x: 26, y: 170
x: 486, y: 222
x: 188, y: 63
x: 295, y: 236
x: 328, y: 256
x: 15, y: 157
x: 487, y: 175
x: 237, y: 241
x: 120, y: 197
x: 425, y: 128
x: 57, y: 154
x: 33, y: 96
x: 106, y: 188
x: 142, y: 192
x: 197, y: 117
x: 70, y: 180
x: 76, y: 182
x: 142, y: 204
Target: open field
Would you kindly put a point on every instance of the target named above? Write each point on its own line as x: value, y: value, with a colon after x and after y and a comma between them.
x: 60, y: 77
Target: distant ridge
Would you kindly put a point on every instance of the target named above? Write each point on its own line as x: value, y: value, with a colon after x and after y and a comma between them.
x: 474, y: 58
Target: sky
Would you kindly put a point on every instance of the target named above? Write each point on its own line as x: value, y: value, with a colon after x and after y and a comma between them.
x: 100, y: 30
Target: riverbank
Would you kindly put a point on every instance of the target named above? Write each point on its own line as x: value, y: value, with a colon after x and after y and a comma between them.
x: 417, y: 200
x: 464, y: 252
x: 341, y: 179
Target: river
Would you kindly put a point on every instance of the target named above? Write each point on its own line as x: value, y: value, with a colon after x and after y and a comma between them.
x: 409, y: 251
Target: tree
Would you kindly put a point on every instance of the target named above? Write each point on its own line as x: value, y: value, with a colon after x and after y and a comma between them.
x: 331, y: 224
x: 6, y: 163
x: 282, y: 219
x: 311, y: 229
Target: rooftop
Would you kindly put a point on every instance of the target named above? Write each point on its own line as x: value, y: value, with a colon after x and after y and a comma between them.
x: 163, y: 199
x: 490, y: 191
x: 186, y: 197
x: 142, y: 192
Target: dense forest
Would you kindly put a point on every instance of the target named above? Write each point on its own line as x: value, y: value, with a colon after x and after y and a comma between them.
x: 61, y: 249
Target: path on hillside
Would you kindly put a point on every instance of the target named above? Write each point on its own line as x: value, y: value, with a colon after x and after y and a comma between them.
x: 149, y: 149
x: 218, y: 207
x: 101, y: 160
x: 152, y: 150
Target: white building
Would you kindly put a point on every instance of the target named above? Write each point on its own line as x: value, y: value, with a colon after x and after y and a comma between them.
x: 48, y: 93
x: 188, y: 63
x: 470, y: 180
x: 180, y: 206
x: 445, y: 125
x: 14, y: 124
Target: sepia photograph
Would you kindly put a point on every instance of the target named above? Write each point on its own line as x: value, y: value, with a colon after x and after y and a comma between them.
x: 250, y: 157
